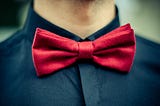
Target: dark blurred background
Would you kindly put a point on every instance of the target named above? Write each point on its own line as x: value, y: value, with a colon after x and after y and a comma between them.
x: 9, y: 10
x: 12, y: 16
x: 143, y: 15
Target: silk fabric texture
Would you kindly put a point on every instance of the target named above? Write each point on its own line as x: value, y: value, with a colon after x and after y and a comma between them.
x: 114, y: 50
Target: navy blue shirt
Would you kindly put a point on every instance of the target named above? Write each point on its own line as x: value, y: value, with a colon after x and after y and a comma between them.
x: 83, y: 83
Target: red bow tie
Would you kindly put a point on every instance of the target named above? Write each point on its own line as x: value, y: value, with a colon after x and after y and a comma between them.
x: 114, y: 50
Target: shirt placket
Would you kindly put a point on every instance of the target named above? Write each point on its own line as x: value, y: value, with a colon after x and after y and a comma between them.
x: 89, y: 82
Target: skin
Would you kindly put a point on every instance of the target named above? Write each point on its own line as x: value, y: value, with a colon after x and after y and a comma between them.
x: 81, y: 17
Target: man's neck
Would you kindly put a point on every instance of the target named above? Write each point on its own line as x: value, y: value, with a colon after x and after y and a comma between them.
x: 81, y: 17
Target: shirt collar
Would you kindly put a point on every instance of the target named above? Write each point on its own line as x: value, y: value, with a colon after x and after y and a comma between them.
x: 34, y: 20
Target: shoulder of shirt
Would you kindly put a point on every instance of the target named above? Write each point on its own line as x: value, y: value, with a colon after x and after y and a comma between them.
x: 147, y: 42
x: 12, y: 41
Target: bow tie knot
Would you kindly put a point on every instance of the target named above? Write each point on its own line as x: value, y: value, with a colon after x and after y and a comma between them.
x: 85, y: 50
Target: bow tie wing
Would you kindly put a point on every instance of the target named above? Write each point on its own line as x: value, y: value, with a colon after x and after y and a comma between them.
x: 116, y: 49
x: 52, y: 52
